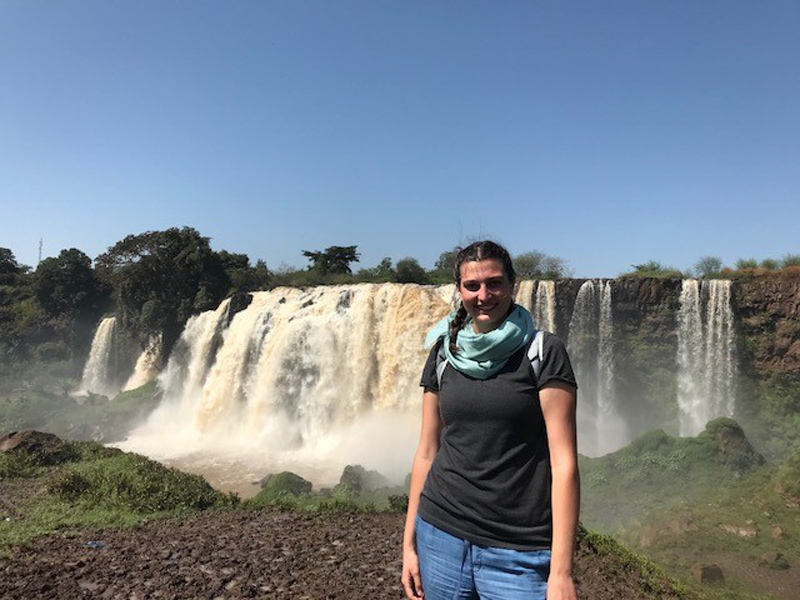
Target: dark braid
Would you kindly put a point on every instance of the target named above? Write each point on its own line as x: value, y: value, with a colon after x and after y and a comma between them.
x: 455, y: 326
x: 476, y: 251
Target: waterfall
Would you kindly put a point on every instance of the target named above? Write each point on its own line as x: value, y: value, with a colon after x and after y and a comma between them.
x: 544, y: 313
x: 98, y: 376
x: 707, y: 370
x: 296, y: 371
x: 524, y: 295
x: 146, y: 368
x: 591, y: 333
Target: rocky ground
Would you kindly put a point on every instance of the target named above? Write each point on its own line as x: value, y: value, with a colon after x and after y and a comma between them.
x: 250, y: 554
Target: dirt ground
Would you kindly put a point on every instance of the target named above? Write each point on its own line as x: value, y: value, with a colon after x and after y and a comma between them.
x: 265, y: 554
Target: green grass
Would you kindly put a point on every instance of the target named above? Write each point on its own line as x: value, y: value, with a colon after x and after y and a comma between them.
x: 87, y: 486
x: 673, y: 498
x: 109, y: 420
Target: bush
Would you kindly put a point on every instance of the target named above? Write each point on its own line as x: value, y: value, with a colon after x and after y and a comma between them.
x: 408, y: 270
x: 790, y: 260
x: 653, y: 268
x: 769, y: 263
x: 130, y: 482
x: 746, y: 263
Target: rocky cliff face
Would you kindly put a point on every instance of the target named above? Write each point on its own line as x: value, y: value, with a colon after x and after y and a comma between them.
x: 767, y: 308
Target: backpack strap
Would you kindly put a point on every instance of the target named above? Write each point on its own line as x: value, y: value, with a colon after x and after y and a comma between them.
x: 441, y: 363
x: 535, y: 353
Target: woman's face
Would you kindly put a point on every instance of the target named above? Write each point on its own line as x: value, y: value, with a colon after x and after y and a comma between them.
x: 485, y: 293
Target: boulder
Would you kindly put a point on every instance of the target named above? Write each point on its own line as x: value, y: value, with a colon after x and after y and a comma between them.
x: 357, y: 479
x: 285, y: 482
x: 45, y: 447
x: 705, y: 574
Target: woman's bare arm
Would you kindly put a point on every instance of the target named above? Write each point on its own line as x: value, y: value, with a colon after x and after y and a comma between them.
x: 558, y: 401
x: 426, y: 451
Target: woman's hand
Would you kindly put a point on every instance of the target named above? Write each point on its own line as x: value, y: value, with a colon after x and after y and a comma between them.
x: 412, y: 582
x: 560, y: 587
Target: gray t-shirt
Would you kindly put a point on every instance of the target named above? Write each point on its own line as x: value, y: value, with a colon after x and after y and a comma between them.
x: 490, y: 481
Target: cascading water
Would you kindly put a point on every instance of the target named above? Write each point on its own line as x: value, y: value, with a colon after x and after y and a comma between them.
x: 544, y: 312
x: 591, y: 333
x: 524, y: 296
x: 300, y: 376
x: 707, y: 370
x: 146, y: 368
x: 98, y: 377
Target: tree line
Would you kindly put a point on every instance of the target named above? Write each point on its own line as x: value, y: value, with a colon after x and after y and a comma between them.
x: 712, y: 267
x: 154, y: 281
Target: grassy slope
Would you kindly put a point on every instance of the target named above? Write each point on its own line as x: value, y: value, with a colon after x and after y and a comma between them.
x: 85, y: 485
x: 94, y: 418
x: 687, y: 500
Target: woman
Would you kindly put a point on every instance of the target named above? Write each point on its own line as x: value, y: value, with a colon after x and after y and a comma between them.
x: 493, y: 501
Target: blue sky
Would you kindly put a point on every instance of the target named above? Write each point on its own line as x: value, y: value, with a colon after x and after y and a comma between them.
x: 606, y: 133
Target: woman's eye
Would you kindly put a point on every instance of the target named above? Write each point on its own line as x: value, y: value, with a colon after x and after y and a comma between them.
x: 472, y: 287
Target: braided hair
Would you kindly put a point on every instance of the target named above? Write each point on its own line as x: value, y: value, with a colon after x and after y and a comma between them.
x: 476, y: 251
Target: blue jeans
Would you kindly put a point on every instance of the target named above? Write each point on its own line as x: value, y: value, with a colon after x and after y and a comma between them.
x: 454, y: 569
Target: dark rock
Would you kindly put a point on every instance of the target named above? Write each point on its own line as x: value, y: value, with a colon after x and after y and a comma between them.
x: 285, y: 482
x: 46, y: 447
x: 237, y: 304
x: 707, y: 573
x: 357, y: 479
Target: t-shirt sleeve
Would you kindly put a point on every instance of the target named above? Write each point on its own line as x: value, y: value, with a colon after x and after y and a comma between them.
x: 555, y: 362
x: 429, y: 380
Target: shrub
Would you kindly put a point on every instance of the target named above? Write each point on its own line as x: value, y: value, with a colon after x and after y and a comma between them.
x: 769, y: 263
x: 790, y: 260
x: 746, y: 263
x: 131, y: 482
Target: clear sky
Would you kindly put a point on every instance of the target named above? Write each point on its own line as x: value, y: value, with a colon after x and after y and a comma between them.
x: 606, y: 133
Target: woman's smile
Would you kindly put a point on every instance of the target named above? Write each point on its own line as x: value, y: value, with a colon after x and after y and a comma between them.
x: 485, y: 293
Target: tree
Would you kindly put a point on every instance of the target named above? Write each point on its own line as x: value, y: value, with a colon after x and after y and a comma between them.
x: 243, y: 277
x: 334, y: 259
x: 409, y: 271
x: 67, y: 285
x: 652, y: 268
x: 707, y: 267
x: 746, y: 263
x: 9, y: 267
x: 443, y: 267
x: 538, y: 265
x: 162, y: 278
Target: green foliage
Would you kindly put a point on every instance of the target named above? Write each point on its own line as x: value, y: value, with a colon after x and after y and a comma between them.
x: 790, y: 260
x: 776, y: 418
x: 243, y: 277
x: 382, y: 273
x: 787, y: 478
x: 398, y: 503
x: 746, y: 263
x: 708, y: 267
x: 356, y: 479
x: 408, y: 270
x: 443, y: 268
x: 652, y: 268
x: 538, y: 265
x: 656, y: 583
x: 770, y: 264
x: 334, y: 259
x: 133, y: 483
x: 90, y: 486
x: 109, y: 420
x: 282, y: 484
x: 162, y: 278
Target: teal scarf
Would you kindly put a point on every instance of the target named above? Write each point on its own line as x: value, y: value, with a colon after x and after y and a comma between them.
x: 481, y: 355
